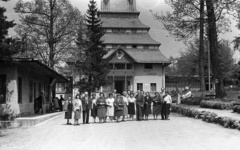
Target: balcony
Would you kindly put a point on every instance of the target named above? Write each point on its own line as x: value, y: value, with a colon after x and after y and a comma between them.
x: 121, y: 72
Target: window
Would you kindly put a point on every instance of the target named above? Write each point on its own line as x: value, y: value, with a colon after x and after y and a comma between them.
x: 140, y: 86
x: 19, y: 89
x: 153, y: 87
x: 119, y: 66
x: 114, y: 30
x: 3, y: 87
x: 110, y: 66
x: 118, y: 30
x: 129, y: 66
x: 134, y: 46
x: 114, y: 46
x: 30, y: 91
x: 122, y: 30
x: 148, y: 66
x: 123, y: 46
x: 145, y: 47
x: 60, y: 87
x: 134, y: 31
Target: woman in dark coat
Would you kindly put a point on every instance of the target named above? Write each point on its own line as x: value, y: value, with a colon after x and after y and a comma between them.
x: 102, y: 110
x: 68, y: 108
x: 147, y: 105
x: 157, y: 105
x: 118, y: 104
x: 94, y: 107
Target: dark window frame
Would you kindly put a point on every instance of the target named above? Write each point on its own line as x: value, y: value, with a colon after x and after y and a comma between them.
x: 140, y: 86
x: 119, y: 66
x: 20, y: 87
x: 3, y: 88
x: 129, y: 66
x: 153, y: 85
x: 30, y: 91
x: 148, y: 66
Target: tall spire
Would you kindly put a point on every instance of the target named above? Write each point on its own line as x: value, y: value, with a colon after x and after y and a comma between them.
x: 118, y: 5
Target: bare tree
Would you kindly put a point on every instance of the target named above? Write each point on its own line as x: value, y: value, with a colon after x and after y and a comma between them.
x: 49, y: 27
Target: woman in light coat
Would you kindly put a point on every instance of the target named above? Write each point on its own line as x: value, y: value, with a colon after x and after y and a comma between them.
x: 77, y: 107
x: 110, y: 107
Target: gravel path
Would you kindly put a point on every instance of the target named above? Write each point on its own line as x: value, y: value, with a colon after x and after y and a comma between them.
x: 180, y: 133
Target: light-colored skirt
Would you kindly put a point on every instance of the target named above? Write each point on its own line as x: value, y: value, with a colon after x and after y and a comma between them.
x: 125, y: 110
x: 110, y: 111
x: 77, y: 114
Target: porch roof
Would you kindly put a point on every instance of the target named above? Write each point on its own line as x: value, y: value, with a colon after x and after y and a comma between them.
x: 142, y: 55
x: 38, y: 66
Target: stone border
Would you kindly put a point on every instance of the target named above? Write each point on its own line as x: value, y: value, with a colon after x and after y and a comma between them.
x: 31, y: 121
x: 207, y: 116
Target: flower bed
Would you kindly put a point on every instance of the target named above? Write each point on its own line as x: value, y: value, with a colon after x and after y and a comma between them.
x: 207, y: 116
x: 215, y: 104
x: 191, y: 101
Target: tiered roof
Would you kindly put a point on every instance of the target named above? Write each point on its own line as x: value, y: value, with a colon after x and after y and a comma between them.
x: 122, y: 14
x: 129, y: 38
x: 120, y: 22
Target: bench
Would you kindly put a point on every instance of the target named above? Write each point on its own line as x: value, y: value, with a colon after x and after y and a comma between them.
x: 209, y: 96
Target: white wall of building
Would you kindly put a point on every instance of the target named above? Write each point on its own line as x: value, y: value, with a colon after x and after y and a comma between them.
x: 148, y: 76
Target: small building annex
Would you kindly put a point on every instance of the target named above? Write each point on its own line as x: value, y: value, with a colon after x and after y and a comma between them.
x: 21, y: 81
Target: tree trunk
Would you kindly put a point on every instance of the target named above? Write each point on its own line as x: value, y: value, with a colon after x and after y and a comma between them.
x: 201, y: 47
x: 212, y: 35
x: 51, y: 36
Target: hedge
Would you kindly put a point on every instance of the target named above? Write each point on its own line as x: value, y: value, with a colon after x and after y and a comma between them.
x: 207, y: 116
x: 236, y: 108
x: 214, y: 104
x: 191, y: 101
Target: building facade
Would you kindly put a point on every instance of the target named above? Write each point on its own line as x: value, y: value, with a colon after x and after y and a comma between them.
x: 135, y: 59
x: 21, y: 82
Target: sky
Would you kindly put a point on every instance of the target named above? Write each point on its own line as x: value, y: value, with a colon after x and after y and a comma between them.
x: 169, y: 46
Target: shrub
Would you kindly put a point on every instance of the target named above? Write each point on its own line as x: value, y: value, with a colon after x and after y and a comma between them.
x: 7, y: 117
x: 210, y: 117
x: 191, y: 101
x: 214, y: 104
x: 236, y: 108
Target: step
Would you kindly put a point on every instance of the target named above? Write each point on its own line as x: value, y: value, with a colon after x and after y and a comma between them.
x: 33, y: 120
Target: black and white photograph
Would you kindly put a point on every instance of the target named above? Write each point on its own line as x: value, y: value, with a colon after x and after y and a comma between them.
x: 119, y: 74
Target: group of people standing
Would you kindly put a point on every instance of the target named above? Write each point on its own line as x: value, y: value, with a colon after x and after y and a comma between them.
x: 116, y: 106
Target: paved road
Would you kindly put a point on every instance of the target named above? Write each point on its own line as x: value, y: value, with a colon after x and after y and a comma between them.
x: 180, y: 133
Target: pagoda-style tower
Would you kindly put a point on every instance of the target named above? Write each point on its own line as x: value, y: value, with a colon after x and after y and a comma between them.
x: 135, y: 58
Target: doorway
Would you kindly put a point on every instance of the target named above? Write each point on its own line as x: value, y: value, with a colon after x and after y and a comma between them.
x: 119, y: 86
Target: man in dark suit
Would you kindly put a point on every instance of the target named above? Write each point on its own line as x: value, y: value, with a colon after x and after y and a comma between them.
x: 86, y: 104
x: 139, y: 104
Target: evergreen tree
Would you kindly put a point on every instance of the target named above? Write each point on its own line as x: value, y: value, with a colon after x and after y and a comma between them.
x: 8, y: 46
x: 94, y: 67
